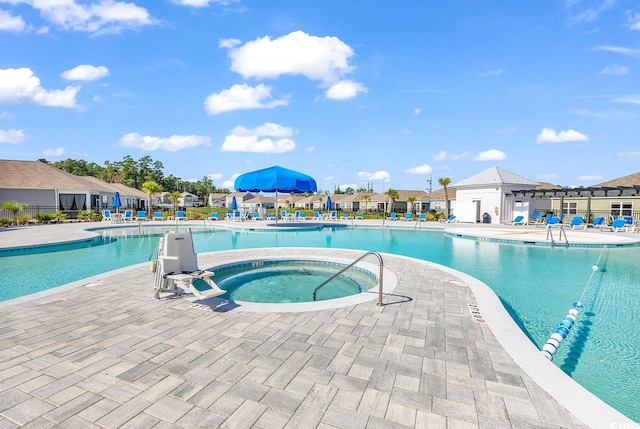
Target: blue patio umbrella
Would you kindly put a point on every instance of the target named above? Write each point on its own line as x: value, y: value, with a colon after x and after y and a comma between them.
x: 275, y: 179
x: 328, y: 202
x: 234, y: 203
x: 116, y: 201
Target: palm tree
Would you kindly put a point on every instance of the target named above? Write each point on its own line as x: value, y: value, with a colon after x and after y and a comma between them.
x: 393, y: 196
x: 150, y: 187
x: 14, y: 208
x: 411, y: 200
x: 367, y: 201
x: 175, y: 196
x: 444, y: 182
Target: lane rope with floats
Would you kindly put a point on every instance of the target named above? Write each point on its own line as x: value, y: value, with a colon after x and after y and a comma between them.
x: 553, y: 343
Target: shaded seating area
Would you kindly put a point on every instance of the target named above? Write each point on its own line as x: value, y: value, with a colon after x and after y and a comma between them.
x: 177, y: 269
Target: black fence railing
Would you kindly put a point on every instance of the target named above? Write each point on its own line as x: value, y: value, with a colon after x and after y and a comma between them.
x: 33, y: 212
x: 589, y: 217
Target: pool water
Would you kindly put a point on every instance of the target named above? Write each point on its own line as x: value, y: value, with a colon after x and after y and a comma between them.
x: 536, y: 284
x: 290, y: 281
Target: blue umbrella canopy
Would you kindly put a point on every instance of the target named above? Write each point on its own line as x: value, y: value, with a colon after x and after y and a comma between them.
x: 275, y: 179
x: 328, y: 202
x: 234, y: 203
x: 116, y: 201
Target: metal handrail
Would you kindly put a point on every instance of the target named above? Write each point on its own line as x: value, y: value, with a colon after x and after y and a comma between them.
x: 560, y: 234
x: 380, y: 277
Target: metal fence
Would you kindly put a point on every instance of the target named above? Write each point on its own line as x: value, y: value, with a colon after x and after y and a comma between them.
x: 32, y: 212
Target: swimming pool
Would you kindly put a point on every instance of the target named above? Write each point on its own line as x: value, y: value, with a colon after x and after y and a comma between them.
x: 537, y: 284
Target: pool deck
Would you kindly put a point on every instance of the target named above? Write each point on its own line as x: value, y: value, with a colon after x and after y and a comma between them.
x: 102, y: 353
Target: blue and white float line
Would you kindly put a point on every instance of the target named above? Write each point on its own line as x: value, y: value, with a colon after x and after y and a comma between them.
x: 553, y: 343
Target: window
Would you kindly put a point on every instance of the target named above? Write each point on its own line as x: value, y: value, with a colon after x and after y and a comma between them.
x: 624, y: 208
x: 570, y: 208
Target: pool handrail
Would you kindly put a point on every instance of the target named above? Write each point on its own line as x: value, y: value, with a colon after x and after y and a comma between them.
x: 380, y: 283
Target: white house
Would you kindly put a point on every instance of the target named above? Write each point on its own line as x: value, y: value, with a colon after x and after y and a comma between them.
x: 483, y: 198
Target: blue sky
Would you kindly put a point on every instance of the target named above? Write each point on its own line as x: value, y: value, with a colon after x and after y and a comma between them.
x: 350, y: 92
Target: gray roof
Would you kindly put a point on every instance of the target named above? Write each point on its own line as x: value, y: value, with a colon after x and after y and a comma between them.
x: 495, y: 176
x: 629, y: 180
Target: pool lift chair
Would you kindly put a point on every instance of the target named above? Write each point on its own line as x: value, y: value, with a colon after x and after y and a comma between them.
x: 177, y: 268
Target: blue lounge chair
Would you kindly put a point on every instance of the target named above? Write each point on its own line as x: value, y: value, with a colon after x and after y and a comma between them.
x: 333, y: 215
x: 519, y: 220
x: 618, y: 225
x: 536, y: 217
x: 408, y: 216
x: 598, y: 222
x: 128, y: 216
x: 271, y: 216
x: 578, y: 222
x: 213, y: 216
x: 360, y: 216
x: 106, y: 216
x: 393, y: 216
x: 553, y: 221
x: 141, y: 215
x: 158, y: 216
x: 422, y: 217
x: 180, y: 215
x: 451, y: 219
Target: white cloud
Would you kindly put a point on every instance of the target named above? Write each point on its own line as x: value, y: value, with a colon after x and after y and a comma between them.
x: 104, y: 16
x: 344, y: 90
x: 241, y: 97
x: 345, y: 186
x: 420, y: 169
x: 416, y: 111
x: 592, y: 178
x: 635, y: 154
x: 170, y: 144
x: 9, y: 22
x: 310, y: 149
x: 443, y: 156
x: 214, y: 176
x: 634, y: 20
x: 619, y: 50
x: 549, y: 135
x: 22, y: 86
x: 11, y: 136
x: 633, y: 99
x: 85, y: 72
x: 490, y: 73
x: 6, y: 115
x: 378, y: 175
x: 201, y: 3
x: 491, y: 155
x: 59, y: 151
x: 615, y: 70
x: 266, y: 138
x: 548, y: 177
x: 318, y: 58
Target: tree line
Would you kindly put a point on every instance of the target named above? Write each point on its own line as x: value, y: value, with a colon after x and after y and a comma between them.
x: 135, y: 174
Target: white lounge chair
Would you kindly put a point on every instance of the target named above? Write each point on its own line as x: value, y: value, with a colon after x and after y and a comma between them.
x: 106, y: 216
x: 180, y: 215
x: 177, y: 268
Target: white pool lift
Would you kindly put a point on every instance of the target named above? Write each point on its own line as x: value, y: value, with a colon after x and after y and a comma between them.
x: 177, y: 268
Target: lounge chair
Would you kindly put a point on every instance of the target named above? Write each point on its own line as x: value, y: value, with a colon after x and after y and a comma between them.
x: 537, y: 217
x: 553, y: 222
x: 408, y: 216
x: 106, y: 216
x: 256, y: 216
x: 393, y: 216
x: 128, y: 216
x: 598, y: 222
x: 286, y: 216
x: 422, y: 217
x: 333, y: 215
x: 180, y: 215
x: 519, y: 220
x: 360, y: 216
x: 158, y: 216
x: 618, y: 225
x: 578, y: 222
x: 271, y: 216
x: 317, y: 216
x: 141, y: 215
x: 300, y: 216
x: 238, y: 216
x: 213, y: 216
x: 177, y: 268
x: 452, y: 219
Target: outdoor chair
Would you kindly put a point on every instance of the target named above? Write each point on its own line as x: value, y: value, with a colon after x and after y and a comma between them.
x: 519, y: 220
x: 213, y: 216
x: 141, y: 215
x: 158, y: 216
x: 578, y: 222
x: 180, y: 215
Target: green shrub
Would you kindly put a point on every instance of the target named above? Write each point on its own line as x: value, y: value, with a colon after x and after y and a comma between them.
x: 44, y: 217
x: 22, y: 219
x: 5, y: 222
